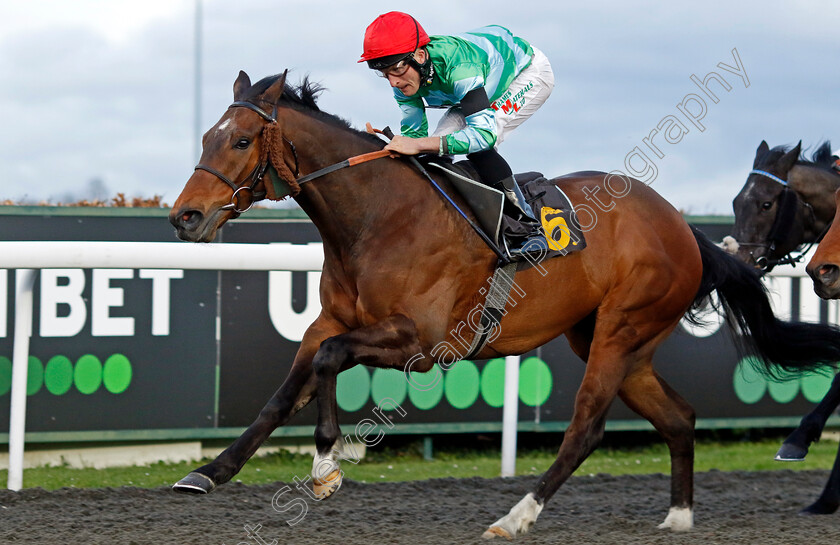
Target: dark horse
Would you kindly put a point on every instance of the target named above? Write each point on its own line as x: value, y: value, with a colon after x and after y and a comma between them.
x: 402, y: 271
x: 786, y: 202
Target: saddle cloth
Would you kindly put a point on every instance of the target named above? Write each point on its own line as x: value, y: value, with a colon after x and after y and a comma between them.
x: 550, y: 204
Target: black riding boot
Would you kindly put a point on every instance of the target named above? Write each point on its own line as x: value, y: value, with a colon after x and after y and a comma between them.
x: 527, y: 236
x: 515, y: 198
x: 522, y: 231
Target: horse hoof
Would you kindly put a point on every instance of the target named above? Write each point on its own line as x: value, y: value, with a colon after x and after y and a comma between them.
x: 679, y: 519
x: 496, y: 531
x: 324, y: 488
x: 194, y: 483
x: 819, y: 508
x: 789, y: 452
x: 519, y: 521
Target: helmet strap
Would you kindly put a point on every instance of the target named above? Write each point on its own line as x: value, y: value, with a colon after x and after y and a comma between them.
x: 426, y: 70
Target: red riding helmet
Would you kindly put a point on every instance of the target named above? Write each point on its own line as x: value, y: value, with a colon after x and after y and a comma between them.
x: 390, y: 38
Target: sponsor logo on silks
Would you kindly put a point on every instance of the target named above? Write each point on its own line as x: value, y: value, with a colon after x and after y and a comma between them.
x: 513, y: 104
x: 557, y: 233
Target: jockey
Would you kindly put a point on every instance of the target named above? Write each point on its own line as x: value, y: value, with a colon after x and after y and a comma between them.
x: 490, y: 81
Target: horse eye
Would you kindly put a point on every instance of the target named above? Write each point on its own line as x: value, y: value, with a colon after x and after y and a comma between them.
x: 767, y: 205
x: 242, y: 143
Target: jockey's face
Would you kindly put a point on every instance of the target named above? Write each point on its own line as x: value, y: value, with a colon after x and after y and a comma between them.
x: 406, y: 78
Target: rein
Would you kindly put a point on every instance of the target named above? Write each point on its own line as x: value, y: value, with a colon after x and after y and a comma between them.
x: 259, y: 171
x: 267, y: 165
x: 789, y: 259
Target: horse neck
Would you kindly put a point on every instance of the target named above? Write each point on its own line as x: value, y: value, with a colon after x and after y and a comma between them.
x: 816, y: 187
x: 367, y: 201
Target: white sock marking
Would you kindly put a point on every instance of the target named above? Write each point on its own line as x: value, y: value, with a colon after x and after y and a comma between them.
x: 679, y: 519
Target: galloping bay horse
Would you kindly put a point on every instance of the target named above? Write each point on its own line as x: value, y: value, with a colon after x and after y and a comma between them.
x: 402, y: 270
x: 786, y: 202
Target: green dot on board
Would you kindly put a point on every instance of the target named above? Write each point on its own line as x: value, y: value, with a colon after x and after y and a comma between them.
x: 353, y: 388
x: 5, y: 375
x: 815, y: 386
x: 749, y: 385
x: 58, y: 375
x: 426, y: 389
x: 34, y: 376
x: 117, y: 373
x: 493, y: 382
x: 88, y: 374
x: 535, y: 382
x: 388, y: 384
x: 461, y: 384
x: 783, y: 392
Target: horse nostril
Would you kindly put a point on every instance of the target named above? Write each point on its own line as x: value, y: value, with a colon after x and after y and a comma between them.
x: 187, y: 219
x: 827, y: 273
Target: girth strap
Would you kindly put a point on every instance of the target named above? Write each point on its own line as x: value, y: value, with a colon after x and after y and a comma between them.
x: 494, y: 307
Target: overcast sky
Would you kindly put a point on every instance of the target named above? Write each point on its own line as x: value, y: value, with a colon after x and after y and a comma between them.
x: 104, y: 90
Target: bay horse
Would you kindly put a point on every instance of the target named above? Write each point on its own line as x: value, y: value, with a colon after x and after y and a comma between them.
x: 824, y: 270
x: 786, y: 202
x: 402, y: 272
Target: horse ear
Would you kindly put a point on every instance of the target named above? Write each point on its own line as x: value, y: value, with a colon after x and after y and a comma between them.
x: 273, y: 93
x: 788, y: 160
x: 762, y: 149
x: 242, y: 84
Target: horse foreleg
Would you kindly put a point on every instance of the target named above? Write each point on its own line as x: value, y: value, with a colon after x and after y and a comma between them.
x: 388, y: 343
x: 295, y: 393
x: 795, y: 447
x: 648, y: 395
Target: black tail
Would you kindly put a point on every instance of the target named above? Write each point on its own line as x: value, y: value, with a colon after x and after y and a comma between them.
x: 783, y: 347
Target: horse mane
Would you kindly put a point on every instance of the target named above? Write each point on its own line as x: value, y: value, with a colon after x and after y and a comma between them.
x: 820, y: 158
x: 304, y: 98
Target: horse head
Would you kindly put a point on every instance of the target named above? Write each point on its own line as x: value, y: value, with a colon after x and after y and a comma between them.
x: 824, y: 267
x: 768, y: 213
x: 243, y: 160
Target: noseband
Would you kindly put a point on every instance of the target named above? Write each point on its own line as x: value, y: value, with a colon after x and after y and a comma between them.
x: 256, y: 175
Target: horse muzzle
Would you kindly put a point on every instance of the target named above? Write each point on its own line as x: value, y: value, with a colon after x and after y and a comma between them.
x: 826, y: 277
x: 195, y: 226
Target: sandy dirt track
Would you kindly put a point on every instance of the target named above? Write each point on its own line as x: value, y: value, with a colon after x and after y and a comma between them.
x: 757, y: 508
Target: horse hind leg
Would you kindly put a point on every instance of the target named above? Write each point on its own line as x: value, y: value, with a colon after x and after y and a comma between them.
x: 647, y: 394
x: 599, y: 387
x: 829, y: 500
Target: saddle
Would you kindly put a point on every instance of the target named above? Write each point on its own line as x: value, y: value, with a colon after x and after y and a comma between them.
x: 548, y: 201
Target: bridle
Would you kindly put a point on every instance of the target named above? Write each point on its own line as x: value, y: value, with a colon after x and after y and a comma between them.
x: 258, y: 173
x: 789, y: 202
x: 266, y: 166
